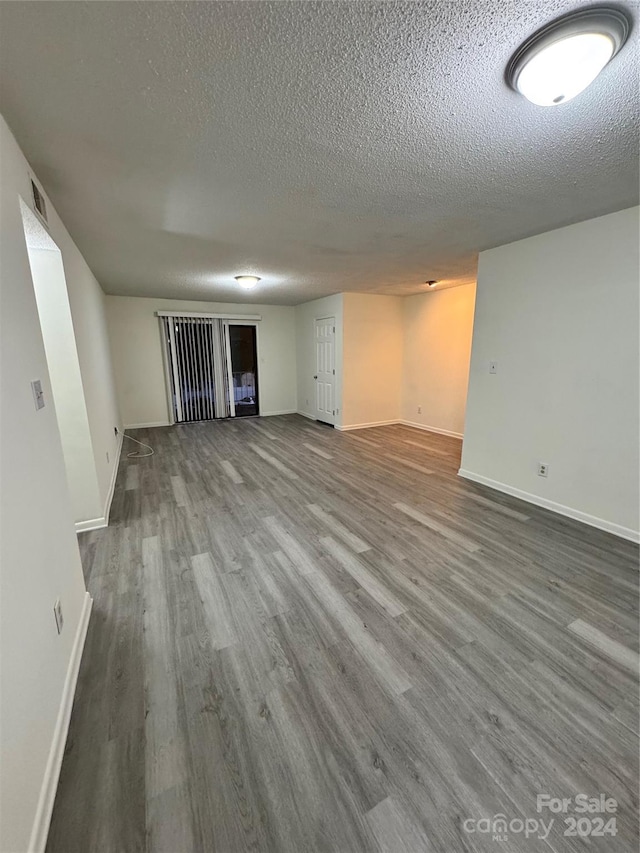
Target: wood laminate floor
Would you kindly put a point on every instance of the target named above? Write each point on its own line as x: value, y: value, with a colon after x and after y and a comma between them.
x: 307, y: 640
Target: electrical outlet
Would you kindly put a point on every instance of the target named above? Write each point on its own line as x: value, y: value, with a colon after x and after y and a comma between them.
x: 543, y: 469
x: 57, y: 612
x: 419, y: 410
x: 493, y: 367
x: 107, y: 457
x: 307, y: 402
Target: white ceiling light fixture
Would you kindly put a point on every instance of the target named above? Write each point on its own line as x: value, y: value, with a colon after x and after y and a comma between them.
x: 564, y: 57
x: 431, y: 283
x: 247, y: 281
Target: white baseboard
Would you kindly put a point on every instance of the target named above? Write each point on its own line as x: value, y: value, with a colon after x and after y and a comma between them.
x: 146, y: 426
x: 91, y: 524
x: 114, y: 476
x: 432, y: 429
x: 306, y: 415
x: 103, y: 521
x: 47, y: 796
x: 347, y: 427
x: 167, y: 423
x: 561, y: 509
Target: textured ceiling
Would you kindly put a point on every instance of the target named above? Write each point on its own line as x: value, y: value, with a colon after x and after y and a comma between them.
x: 35, y: 233
x: 323, y: 146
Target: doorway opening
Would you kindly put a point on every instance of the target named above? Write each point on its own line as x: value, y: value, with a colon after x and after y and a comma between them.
x: 244, y: 369
x: 56, y: 324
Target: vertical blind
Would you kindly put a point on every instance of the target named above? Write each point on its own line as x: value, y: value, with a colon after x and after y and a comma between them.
x: 198, y: 365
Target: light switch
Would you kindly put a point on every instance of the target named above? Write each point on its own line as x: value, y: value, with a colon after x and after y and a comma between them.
x: 38, y: 393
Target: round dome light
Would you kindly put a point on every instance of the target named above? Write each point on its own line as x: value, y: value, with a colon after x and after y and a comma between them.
x: 564, y: 57
x: 247, y: 281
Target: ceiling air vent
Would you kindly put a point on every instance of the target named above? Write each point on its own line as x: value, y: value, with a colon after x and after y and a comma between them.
x: 38, y: 202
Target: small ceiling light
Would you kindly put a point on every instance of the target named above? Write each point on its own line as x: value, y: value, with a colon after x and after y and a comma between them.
x: 431, y: 283
x: 247, y: 281
x: 565, y: 56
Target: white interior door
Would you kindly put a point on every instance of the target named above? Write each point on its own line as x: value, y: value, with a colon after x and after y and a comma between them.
x: 325, y: 335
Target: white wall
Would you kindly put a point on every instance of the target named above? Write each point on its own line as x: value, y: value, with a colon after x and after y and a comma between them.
x: 372, y: 359
x: 136, y: 344
x: 437, y: 351
x: 66, y: 382
x: 39, y: 559
x: 559, y: 314
x: 391, y: 351
x: 305, y: 317
x: 85, y: 322
x: 88, y: 311
x: 86, y: 303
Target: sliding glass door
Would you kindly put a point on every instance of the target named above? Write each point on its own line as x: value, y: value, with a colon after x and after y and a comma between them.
x: 211, y: 367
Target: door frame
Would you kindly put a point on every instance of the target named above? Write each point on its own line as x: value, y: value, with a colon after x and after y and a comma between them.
x: 243, y: 322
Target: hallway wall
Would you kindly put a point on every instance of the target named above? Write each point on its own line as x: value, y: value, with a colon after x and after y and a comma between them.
x: 39, y: 559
